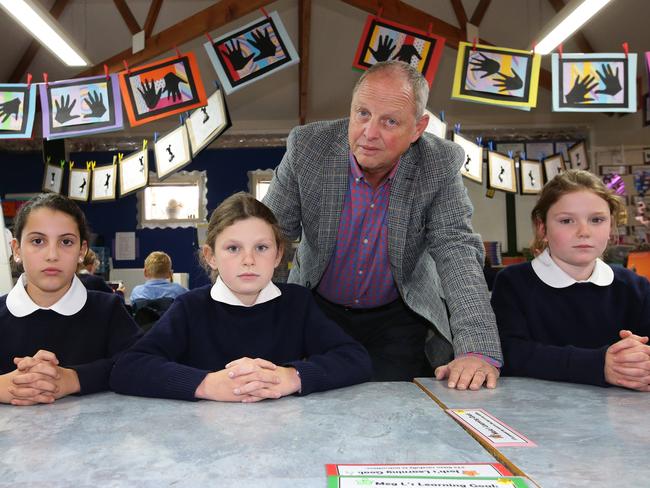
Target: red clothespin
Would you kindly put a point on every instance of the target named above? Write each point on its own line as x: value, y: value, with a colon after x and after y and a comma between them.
x: 626, y: 49
x: 207, y: 34
x: 126, y: 66
x: 379, y: 12
x: 29, y: 80
x: 45, y: 79
x: 560, y: 50
x: 178, y: 53
x: 106, y: 71
x: 263, y: 10
x: 429, y: 28
x: 474, y: 44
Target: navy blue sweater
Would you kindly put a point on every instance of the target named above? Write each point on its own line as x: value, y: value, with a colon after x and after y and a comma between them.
x: 87, y: 341
x: 198, y: 335
x: 563, y: 334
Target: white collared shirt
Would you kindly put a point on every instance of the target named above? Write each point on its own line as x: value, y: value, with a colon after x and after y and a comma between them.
x: 221, y: 293
x: 20, y: 304
x: 550, y: 273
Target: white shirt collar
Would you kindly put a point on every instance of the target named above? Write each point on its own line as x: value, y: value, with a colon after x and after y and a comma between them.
x: 221, y: 293
x: 20, y: 303
x: 550, y: 273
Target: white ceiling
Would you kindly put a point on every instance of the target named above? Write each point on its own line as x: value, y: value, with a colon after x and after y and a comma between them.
x: 271, y: 105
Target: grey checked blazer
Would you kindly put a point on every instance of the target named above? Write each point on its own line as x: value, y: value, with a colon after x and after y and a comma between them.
x: 432, y: 249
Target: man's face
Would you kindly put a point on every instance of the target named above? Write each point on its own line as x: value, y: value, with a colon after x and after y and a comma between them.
x: 382, y: 121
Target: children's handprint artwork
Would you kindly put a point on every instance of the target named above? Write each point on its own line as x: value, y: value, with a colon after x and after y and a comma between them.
x: 594, y: 82
x: 496, y: 76
x: 166, y: 87
x: 17, y: 109
x: 252, y: 52
x: 82, y: 106
x: 384, y: 40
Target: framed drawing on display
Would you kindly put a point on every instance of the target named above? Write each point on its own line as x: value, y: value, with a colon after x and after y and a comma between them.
x: 436, y: 126
x: 53, y: 178
x: 472, y: 166
x: 79, y: 184
x: 172, y: 152
x: 134, y: 171
x: 501, y: 172
x: 207, y: 123
x: 532, y: 179
x: 103, y: 183
x: 553, y: 166
x: 578, y: 156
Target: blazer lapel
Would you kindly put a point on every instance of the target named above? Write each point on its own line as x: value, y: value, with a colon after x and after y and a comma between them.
x: 399, y: 210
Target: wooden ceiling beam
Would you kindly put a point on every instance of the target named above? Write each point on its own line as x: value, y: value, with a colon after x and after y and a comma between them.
x: 206, y: 20
x: 479, y: 12
x: 29, y: 54
x: 459, y: 10
x: 304, y: 36
x: 152, y: 16
x: 406, y: 14
x: 128, y: 17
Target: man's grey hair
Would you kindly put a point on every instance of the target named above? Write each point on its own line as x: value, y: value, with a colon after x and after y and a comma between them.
x: 418, y: 83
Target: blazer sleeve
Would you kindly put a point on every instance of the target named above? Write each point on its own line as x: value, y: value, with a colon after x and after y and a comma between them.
x: 526, y: 356
x: 458, y: 254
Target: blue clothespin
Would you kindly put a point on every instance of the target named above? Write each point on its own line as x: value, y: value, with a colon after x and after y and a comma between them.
x: 510, y: 153
x: 491, y: 145
x: 479, y: 140
x: 180, y: 117
x: 457, y: 127
x: 155, y: 137
x: 522, y: 155
x: 442, y: 115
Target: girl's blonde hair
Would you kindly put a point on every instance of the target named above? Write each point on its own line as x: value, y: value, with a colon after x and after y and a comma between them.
x: 240, y: 206
x: 566, y: 182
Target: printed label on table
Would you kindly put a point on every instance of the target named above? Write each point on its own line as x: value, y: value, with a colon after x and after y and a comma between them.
x: 419, y: 482
x: 440, y: 470
x: 490, y: 428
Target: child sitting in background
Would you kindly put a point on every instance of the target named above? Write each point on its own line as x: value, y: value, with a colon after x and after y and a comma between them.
x: 86, y: 274
x: 567, y: 315
x: 159, y: 284
x: 56, y: 338
x: 202, y: 347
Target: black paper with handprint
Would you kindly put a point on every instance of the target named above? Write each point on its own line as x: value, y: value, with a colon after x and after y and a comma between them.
x: 610, y: 79
x: 10, y: 108
x: 263, y: 43
x: 508, y: 83
x: 235, y: 56
x: 150, y: 95
x: 172, y: 80
x: 406, y: 52
x: 64, y: 109
x: 581, y: 88
x: 95, y: 102
x: 489, y: 65
x: 384, y: 49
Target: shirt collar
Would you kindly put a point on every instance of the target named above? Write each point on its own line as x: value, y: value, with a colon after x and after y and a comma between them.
x: 221, y: 293
x: 357, y: 173
x: 21, y: 304
x: 550, y: 273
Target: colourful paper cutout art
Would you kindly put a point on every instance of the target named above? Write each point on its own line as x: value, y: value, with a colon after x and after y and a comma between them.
x: 163, y: 88
x: 384, y: 40
x: 81, y: 106
x: 599, y: 82
x: 496, y: 76
x: 254, y: 51
x: 17, y: 110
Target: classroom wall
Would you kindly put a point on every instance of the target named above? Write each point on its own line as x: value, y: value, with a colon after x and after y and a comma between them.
x: 226, y: 172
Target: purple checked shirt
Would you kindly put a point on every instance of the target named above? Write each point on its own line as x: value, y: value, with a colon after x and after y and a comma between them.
x: 358, y: 274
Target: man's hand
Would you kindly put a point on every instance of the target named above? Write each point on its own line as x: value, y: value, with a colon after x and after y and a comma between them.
x: 468, y: 372
x: 627, y: 362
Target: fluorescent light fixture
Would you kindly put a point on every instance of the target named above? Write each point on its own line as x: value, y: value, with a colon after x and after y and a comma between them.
x: 40, y: 24
x: 566, y: 22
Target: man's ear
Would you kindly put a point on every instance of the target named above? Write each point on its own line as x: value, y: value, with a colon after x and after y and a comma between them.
x: 420, y: 125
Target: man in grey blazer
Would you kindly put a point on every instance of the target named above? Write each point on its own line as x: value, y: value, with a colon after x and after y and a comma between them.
x: 386, y: 239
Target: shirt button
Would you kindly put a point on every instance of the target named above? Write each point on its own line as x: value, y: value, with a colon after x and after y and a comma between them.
x: 365, y: 241
x: 360, y: 271
x: 372, y: 205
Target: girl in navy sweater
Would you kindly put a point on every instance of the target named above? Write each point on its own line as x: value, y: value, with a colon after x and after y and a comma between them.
x: 56, y: 338
x: 242, y: 339
x: 568, y: 316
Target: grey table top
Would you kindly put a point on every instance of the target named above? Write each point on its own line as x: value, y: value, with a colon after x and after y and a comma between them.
x: 112, y: 440
x: 585, y: 435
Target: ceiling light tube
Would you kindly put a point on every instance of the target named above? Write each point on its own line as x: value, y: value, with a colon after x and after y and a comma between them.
x: 40, y: 24
x: 566, y: 22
